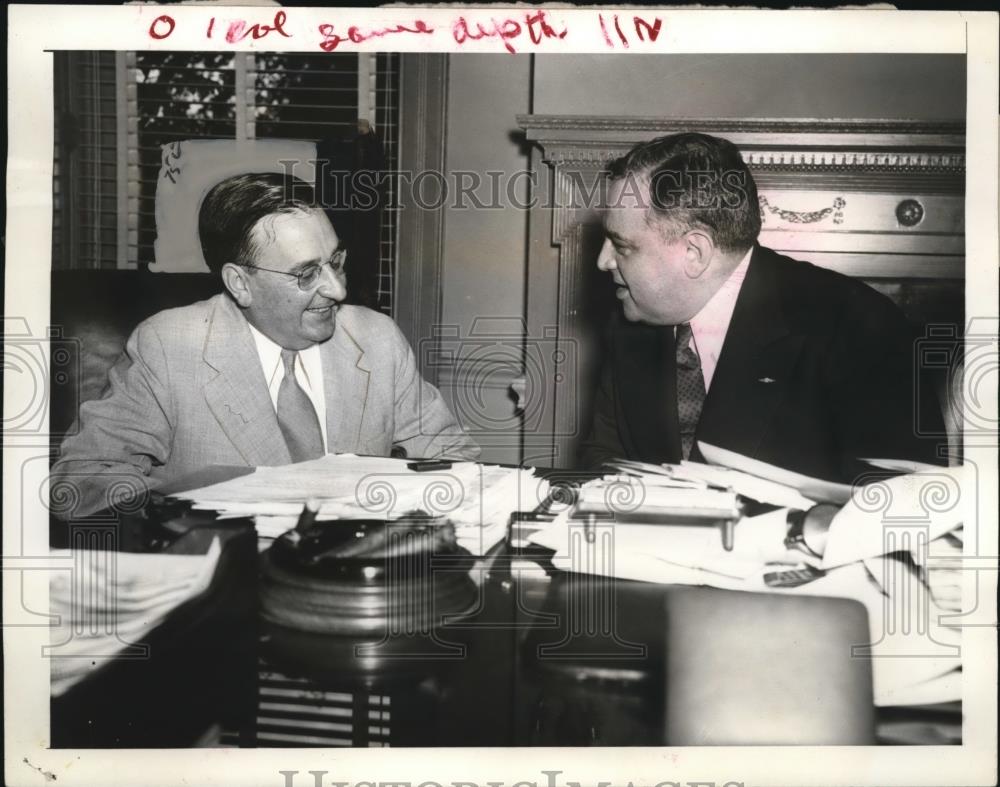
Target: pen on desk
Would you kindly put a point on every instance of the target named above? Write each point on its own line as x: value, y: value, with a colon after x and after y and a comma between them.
x: 308, y: 516
x: 429, y: 465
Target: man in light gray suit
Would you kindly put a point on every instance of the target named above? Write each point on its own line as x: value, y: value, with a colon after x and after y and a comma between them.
x: 273, y: 370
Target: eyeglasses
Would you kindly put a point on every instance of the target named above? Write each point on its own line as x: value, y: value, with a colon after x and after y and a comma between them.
x: 309, y: 275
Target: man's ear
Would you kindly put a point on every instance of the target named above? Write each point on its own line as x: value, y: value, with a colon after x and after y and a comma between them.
x: 699, y: 253
x: 234, y: 277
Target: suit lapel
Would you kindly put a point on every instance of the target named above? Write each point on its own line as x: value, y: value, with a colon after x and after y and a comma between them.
x: 345, y: 384
x: 237, y: 395
x: 648, y: 395
x: 755, y: 366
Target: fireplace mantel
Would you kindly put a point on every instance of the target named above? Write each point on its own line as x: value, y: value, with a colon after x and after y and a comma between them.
x: 853, y: 155
x: 913, y: 143
x: 878, y: 199
x: 868, y: 191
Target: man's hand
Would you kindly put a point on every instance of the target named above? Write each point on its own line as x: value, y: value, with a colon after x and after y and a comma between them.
x: 944, y: 572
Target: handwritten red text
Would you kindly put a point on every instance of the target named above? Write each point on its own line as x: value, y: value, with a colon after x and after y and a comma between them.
x: 643, y: 30
x: 332, y: 39
x: 507, y: 30
x: 239, y: 29
x: 162, y: 27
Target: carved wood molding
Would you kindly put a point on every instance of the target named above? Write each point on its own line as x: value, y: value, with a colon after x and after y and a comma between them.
x: 776, y: 144
x: 743, y: 125
x: 909, y: 157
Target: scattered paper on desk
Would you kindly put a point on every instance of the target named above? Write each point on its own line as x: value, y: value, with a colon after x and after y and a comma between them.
x: 815, y: 489
x: 915, y: 652
x: 759, y: 489
x: 109, y: 601
x: 748, y: 478
x: 928, y: 503
x: 640, y: 468
x: 477, y: 499
x: 900, y: 465
x: 331, y: 477
x: 890, y: 591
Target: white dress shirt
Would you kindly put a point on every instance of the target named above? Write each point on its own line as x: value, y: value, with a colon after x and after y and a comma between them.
x: 709, y: 326
x: 308, y: 374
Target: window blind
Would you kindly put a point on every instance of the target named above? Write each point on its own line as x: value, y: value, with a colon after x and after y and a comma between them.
x: 114, y: 111
x: 85, y: 161
x: 179, y: 95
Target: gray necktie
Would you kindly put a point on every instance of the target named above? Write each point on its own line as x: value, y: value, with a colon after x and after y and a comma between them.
x: 297, y: 416
x: 690, y: 388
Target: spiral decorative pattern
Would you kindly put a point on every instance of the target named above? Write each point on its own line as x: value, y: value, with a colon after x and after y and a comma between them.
x: 622, y: 497
x: 126, y: 495
x: 64, y: 497
x: 563, y: 495
x: 442, y: 496
x: 939, y: 494
x: 873, y: 498
x: 542, y: 489
x: 377, y: 496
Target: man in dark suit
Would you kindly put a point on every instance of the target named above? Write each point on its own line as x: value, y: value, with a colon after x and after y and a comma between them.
x: 729, y: 343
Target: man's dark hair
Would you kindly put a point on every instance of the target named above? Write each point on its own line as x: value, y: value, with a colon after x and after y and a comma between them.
x: 232, y: 208
x: 696, y: 181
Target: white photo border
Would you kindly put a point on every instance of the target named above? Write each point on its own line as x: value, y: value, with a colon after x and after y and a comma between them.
x: 35, y: 31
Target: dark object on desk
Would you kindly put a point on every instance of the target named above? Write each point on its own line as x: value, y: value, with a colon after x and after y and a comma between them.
x: 723, y: 667
x: 937, y: 724
x: 748, y: 669
x: 308, y: 516
x: 157, y: 527
x: 807, y: 530
x: 361, y: 577
x: 793, y: 576
x: 429, y: 465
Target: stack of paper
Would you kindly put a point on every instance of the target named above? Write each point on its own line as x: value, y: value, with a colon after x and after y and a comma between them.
x: 811, y: 489
x: 912, y: 663
x: 109, y: 601
x: 477, y: 499
x: 746, y: 477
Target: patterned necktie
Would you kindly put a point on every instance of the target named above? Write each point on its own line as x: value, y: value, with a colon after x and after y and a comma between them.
x: 297, y: 416
x: 690, y: 388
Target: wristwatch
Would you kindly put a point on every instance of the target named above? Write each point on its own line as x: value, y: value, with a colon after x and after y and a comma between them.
x: 807, y: 529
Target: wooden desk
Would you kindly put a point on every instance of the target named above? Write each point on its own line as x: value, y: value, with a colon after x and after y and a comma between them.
x: 201, y: 671
x: 528, y: 666
x: 579, y: 660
